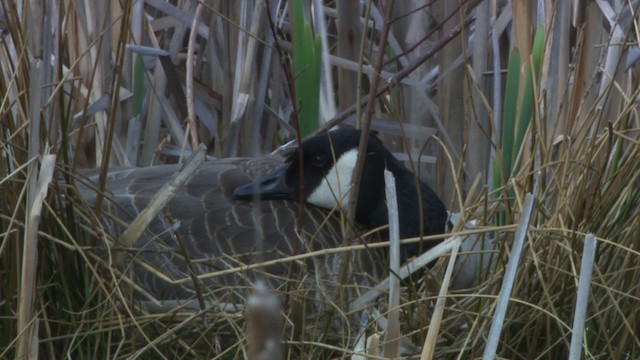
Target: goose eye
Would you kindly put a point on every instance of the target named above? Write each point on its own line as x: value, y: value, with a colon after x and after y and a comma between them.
x: 318, y: 160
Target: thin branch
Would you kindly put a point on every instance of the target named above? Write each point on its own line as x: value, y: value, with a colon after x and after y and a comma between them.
x: 390, y: 83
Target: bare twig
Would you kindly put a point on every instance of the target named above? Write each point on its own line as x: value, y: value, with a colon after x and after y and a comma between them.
x: 366, y: 121
x: 389, y: 83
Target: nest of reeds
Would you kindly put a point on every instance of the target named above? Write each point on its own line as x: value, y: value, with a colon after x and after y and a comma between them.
x: 531, y: 136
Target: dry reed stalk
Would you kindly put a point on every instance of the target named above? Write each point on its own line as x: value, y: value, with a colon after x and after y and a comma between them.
x: 392, y: 338
x: 510, y: 275
x: 158, y: 202
x: 428, y: 348
x: 28, y: 341
x: 264, y: 324
x: 586, y: 148
x: 582, y: 297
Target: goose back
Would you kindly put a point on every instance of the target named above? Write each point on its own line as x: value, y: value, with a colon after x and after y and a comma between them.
x: 205, y: 229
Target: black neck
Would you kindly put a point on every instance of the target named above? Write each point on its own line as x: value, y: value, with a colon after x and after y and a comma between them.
x: 372, y: 209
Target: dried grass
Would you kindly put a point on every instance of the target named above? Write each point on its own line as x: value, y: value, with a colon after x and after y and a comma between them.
x: 58, y: 298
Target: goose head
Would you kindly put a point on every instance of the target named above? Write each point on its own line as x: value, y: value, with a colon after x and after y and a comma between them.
x: 328, y: 163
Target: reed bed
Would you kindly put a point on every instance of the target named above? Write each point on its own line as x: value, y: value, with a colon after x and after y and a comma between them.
x: 523, y: 115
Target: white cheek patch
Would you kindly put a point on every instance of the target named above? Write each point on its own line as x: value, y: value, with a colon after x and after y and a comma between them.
x: 334, y: 188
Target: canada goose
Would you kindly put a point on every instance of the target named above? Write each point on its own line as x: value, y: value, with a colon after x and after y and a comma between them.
x: 223, y: 225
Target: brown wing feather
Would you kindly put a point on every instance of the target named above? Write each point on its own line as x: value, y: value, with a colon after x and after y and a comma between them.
x: 219, y: 232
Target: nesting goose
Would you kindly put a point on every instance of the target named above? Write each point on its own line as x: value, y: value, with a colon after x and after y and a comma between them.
x: 235, y: 212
